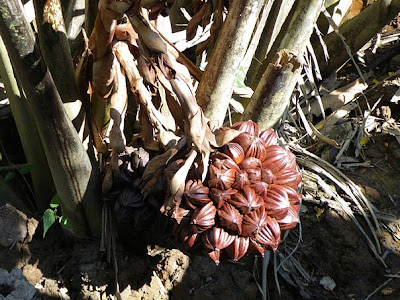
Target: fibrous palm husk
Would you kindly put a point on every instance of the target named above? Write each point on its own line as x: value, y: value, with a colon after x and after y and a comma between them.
x: 214, y: 203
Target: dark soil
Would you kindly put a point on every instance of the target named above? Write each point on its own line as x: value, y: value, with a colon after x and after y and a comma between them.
x: 331, y: 246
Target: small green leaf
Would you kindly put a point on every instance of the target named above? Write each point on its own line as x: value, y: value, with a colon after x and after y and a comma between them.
x: 240, y: 77
x: 26, y: 169
x: 55, y: 202
x: 49, y: 217
x: 65, y: 224
x: 9, y: 176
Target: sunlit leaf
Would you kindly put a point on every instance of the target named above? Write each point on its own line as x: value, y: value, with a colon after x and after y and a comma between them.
x: 65, y: 224
x: 55, y: 202
x: 240, y: 77
x: 49, y: 217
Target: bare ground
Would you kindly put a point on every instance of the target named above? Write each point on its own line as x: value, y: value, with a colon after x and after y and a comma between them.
x: 331, y: 246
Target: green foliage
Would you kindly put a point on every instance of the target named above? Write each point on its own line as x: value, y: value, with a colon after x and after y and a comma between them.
x: 50, y: 216
x: 26, y: 169
x: 55, y: 202
x: 22, y: 170
x: 9, y: 176
x: 240, y: 78
x: 65, y: 224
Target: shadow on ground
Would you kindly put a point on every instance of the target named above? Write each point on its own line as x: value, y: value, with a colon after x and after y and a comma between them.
x: 157, y: 267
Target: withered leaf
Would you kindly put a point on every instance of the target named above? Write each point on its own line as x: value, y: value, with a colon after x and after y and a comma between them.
x: 118, y: 106
x: 177, y: 184
x: 160, y: 161
x: 225, y: 136
x: 157, y: 120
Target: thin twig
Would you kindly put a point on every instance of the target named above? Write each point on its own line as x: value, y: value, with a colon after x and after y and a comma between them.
x: 320, y: 166
x: 335, y: 205
x: 256, y: 277
x: 322, y: 43
x: 307, y: 69
x: 13, y: 167
x: 276, y: 273
x: 264, y: 283
x: 381, y: 286
x: 336, y: 29
x: 347, y: 185
x: 316, y: 68
x: 294, y: 250
x: 346, y: 145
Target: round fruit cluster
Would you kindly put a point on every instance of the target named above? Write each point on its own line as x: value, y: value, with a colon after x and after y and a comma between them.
x: 248, y: 198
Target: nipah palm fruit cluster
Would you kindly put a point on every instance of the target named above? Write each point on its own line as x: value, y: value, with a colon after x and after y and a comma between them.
x: 247, y: 199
